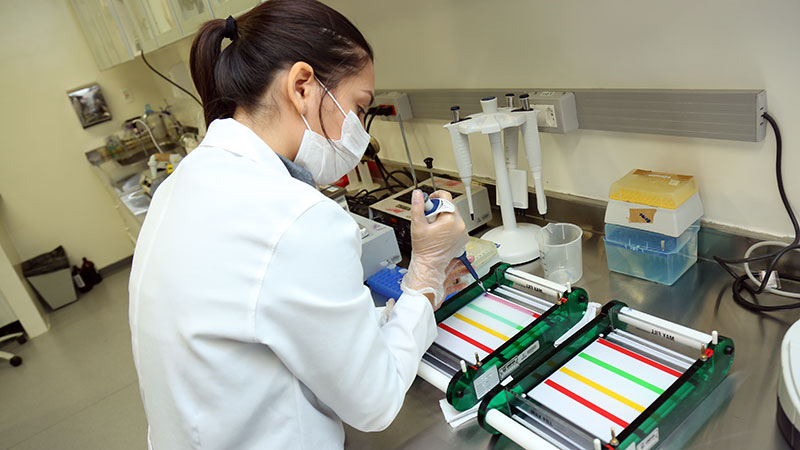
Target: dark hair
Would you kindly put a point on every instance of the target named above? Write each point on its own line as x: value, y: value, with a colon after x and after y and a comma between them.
x: 270, y: 37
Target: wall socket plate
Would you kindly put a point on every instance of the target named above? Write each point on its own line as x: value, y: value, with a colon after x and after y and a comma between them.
x: 559, y: 114
x: 400, y: 102
x: 127, y: 95
x: 546, y: 118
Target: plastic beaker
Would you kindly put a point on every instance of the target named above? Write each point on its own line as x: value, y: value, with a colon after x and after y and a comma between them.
x: 562, y: 256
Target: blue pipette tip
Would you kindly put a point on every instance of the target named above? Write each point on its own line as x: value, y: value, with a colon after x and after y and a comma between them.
x: 465, y: 260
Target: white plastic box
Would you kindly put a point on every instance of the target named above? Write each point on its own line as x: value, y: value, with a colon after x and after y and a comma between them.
x: 670, y: 222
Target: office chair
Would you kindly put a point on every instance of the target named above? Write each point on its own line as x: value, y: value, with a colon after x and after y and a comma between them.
x: 10, y: 357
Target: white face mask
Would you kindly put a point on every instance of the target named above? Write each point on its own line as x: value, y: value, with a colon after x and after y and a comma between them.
x: 329, y: 160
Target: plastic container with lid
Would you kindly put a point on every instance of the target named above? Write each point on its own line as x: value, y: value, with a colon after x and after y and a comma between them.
x: 671, y: 222
x: 651, y: 256
x: 662, y: 190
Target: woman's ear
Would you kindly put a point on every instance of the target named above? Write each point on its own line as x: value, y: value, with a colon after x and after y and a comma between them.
x: 300, y: 86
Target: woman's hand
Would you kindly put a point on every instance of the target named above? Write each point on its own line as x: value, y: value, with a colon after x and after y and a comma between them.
x: 454, y: 271
x: 433, y: 246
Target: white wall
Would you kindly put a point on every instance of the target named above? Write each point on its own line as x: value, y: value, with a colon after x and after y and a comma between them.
x: 50, y: 196
x: 679, y: 44
x: 18, y: 295
x: 165, y: 59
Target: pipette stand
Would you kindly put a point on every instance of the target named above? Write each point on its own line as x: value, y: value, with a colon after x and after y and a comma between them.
x: 517, y: 241
x: 360, y: 179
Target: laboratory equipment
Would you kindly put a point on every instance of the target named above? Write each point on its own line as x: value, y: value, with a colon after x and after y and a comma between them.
x: 670, y: 222
x: 378, y: 245
x: 651, y: 256
x: 436, y: 206
x: 484, y: 254
x: 488, y: 337
x: 160, y: 165
x: 335, y: 193
x: 660, y: 202
x: 429, y: 165
x: 385, y: 284
x: 398, y: 110
x: 665, y: 190
x: 788, y: 393
x: 652, y: 221
x: 625, y: 381
x: 395, y: 210
x: 518, y: 243
x: 560, y: 245
x: 360, y: 177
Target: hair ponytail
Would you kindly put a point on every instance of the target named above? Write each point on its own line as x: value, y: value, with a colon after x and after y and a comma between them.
x: 272, y: 36
x: 203, y: 58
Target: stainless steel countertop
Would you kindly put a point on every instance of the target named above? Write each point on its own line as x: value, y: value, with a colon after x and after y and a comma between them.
x: 700, y: 299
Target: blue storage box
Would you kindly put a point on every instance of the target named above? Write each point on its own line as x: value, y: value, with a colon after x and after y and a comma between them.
x: 652, y: 256
x: 385, y: 284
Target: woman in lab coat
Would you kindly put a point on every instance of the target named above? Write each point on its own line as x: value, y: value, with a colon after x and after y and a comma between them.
x: 251, y: 326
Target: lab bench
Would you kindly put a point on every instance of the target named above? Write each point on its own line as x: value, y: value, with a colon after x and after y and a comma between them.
x: 130, y: 201
x: 700, y: 299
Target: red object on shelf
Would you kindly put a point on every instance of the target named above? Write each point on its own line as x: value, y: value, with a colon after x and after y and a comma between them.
x: 342, y: 182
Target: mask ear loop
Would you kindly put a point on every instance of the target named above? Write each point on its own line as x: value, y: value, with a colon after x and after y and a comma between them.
x: 305, y: 121
x: 330, y: 95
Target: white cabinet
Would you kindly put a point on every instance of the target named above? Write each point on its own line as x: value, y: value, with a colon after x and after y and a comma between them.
x: 225, y: 8
x: 191, y: 14
x: 164, y: 21
x: 100, y: 26
x: 115, y: 29
x: 135, y: 25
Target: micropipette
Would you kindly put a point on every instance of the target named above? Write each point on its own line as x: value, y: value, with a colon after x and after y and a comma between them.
x: 436, y: 206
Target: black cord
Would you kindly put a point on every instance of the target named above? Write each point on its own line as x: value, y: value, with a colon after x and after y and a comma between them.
x: 382, y: 170
x: 740, y: 281
x: 170, y: 81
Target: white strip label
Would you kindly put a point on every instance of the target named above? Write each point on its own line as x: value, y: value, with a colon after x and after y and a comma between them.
x: 484, y: 383
x: 649, y: 442
x: 516, y: 361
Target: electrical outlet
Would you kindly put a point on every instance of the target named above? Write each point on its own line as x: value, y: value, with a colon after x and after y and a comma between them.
x: 546, y: 118
x: 559, y: 113
x: 399, y: 101
x: 127, y: 95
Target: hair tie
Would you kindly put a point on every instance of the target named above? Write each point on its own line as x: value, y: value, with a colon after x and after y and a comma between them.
x: 230, y: 28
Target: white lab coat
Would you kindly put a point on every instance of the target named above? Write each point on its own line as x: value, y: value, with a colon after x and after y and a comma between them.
x: 251, y: 327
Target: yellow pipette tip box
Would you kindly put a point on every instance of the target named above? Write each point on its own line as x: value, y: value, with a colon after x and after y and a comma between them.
x: 659, y: 189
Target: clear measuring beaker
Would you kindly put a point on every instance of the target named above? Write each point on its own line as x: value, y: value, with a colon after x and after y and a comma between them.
x: 562, y: 256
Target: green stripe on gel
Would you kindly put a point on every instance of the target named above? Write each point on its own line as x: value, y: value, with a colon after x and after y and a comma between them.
x: 494, y: 316
x: 622, y: 373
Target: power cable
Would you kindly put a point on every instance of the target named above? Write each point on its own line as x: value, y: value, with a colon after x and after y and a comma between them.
x: 740, y: 281
x: 141, y: 52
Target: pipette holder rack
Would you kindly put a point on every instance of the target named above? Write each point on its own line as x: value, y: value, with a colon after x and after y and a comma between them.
x: 518, y: 242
